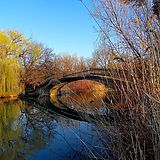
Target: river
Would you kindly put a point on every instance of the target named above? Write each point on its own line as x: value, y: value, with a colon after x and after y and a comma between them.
x: 38, y: 130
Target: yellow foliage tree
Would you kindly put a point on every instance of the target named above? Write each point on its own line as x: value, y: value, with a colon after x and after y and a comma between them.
x: 16, y: 54
x: 9, y: 64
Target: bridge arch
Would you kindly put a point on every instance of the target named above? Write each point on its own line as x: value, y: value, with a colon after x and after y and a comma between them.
x: 98, y: 75
x: 54, y: 91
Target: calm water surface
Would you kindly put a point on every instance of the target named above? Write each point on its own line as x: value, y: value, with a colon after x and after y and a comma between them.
x: 32, y: 131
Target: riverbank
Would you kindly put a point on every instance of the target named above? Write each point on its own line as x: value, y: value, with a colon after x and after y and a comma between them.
x: 7, y: 99
x: 8, y: 96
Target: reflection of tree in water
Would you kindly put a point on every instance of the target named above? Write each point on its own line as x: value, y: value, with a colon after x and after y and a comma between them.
x: 10, y: 141
x: 22, y: 130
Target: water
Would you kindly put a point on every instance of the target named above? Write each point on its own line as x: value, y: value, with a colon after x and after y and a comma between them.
x: 82, y: 96
x: 70, y: 127
x: 33, y: 130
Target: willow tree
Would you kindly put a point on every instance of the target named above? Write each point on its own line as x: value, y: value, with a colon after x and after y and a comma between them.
x: 17, y: 54
x: 9, y: 64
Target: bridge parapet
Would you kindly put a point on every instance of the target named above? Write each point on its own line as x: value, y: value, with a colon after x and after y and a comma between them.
x: 92, y: 71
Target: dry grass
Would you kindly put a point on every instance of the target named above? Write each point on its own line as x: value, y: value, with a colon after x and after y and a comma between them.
x: 135, y: 32
x: 136, y: 112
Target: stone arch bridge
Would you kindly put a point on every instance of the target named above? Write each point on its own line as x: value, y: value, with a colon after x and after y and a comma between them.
x: 103, y: 76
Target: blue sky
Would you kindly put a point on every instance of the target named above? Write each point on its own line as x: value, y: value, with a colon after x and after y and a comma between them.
x: 63, y: 25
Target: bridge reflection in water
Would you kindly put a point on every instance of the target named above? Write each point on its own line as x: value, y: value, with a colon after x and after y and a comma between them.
x: 84, y: 95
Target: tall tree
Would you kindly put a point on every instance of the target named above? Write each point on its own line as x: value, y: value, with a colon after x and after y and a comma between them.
x: 10, y: 49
